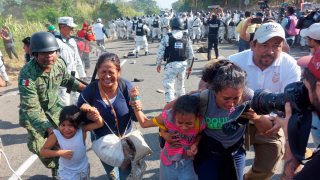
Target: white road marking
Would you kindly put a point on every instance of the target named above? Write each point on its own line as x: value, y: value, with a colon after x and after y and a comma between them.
x: 122, y: 63
x: 23, y: 168
x: 33, y: 157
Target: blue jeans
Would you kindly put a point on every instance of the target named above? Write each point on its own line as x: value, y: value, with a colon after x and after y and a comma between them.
x: 243, y: 45
x: 209, y: 168
x: 179, y: 170
x: 315, y: 130
x: 121, y: 174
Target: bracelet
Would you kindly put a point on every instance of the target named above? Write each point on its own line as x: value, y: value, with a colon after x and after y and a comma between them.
x: 135, y: 98
x: 154, y: 120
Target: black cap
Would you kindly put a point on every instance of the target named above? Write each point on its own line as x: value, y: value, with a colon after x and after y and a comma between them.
x: 26, y: 40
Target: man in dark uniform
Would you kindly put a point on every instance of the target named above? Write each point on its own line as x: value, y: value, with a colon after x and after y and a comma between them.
x: 39, y: 82
x: 214, y: 23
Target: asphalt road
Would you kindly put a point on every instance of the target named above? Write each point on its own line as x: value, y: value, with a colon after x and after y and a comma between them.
x: 29, y: 167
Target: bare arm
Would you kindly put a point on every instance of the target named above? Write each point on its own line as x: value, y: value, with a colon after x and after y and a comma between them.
x: 243, y: 32
x: 136, y: 104
x: 94, y: 115
x: 47, y: 152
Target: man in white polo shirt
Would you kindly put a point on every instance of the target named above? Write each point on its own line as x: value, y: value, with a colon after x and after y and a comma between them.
x: 268, y: 67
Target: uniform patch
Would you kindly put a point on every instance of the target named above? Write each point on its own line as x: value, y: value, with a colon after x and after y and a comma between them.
x: 24, y: 82
x: 178, y: 45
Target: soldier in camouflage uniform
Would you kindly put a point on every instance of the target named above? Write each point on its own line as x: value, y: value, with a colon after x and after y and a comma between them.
x: 178, y: 49
x: 39, y: 82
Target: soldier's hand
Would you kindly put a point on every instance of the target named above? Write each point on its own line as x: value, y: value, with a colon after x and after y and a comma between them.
x: 66, y: 154
x: 159, y: 68
x: 189, y: 71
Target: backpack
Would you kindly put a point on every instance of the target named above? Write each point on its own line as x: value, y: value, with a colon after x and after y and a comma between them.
x: 291, y: 29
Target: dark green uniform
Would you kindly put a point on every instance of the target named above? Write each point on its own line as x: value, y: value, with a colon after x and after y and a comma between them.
x: 40, y: 104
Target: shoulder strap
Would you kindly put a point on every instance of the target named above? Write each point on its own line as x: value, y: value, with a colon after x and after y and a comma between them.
x: 204, y: 96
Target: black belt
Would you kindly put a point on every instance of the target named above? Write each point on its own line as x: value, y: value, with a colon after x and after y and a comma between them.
x: 195, y: 26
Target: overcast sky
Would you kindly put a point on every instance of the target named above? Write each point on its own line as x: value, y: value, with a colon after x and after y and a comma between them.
x: 165, y: 3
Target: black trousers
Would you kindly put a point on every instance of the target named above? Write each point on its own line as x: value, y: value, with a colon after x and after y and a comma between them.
x: 213, y: 42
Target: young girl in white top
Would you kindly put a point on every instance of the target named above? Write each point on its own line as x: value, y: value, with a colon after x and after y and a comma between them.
x: 68, y: 142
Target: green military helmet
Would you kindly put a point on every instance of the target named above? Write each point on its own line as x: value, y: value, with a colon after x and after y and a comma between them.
x: 176, y: 24
x: 43, y: 42
x: 51, y: 28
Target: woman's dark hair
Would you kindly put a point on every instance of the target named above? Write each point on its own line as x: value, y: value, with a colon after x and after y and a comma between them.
x: 290, y: 10
x: 223, y: 74
x: 187, y: 104
x: 72, y: 114
x: 109, y: 57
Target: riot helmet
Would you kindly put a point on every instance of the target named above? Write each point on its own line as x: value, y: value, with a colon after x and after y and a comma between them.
x: 177, y: 24
x: 43, y: 42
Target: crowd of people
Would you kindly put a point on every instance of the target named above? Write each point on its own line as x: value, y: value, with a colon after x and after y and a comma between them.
x: 57, y: 108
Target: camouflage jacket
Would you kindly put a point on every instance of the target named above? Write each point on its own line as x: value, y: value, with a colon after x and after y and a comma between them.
x: 40, y: 104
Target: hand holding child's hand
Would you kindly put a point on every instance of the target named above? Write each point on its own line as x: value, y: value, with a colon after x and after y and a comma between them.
x: 193, y: 150
x: 135, y: 99
x: 134, y: 92
x: 92, y: 112
x: 66, y: 154
x: 86, y: 108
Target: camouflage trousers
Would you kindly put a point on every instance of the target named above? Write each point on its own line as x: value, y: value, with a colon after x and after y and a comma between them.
x: 35, y: 143
x: 156, y: 33
x: 139, y: 44
x: 173, y: 79
x: 196, y: 33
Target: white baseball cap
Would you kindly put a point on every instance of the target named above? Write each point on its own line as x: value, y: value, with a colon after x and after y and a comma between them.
x: 269, y: 30
x: 312, y: 31
x: 67, y: 21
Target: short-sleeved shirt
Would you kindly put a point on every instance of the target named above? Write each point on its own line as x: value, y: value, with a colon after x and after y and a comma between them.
x: 275, y: 78
x: 216, y: 117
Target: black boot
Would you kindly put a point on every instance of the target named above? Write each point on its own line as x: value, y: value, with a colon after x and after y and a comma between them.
x: 193, y: 41
x: 209, y: 55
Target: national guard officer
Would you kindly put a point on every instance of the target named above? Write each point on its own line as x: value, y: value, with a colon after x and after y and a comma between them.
x: 196, y: 24
x: 39, y: 82
x: 141, y: 38
x: 156, y: 31
x: 178, y: 49
x: 70, y: 54
x: 214, y: 24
